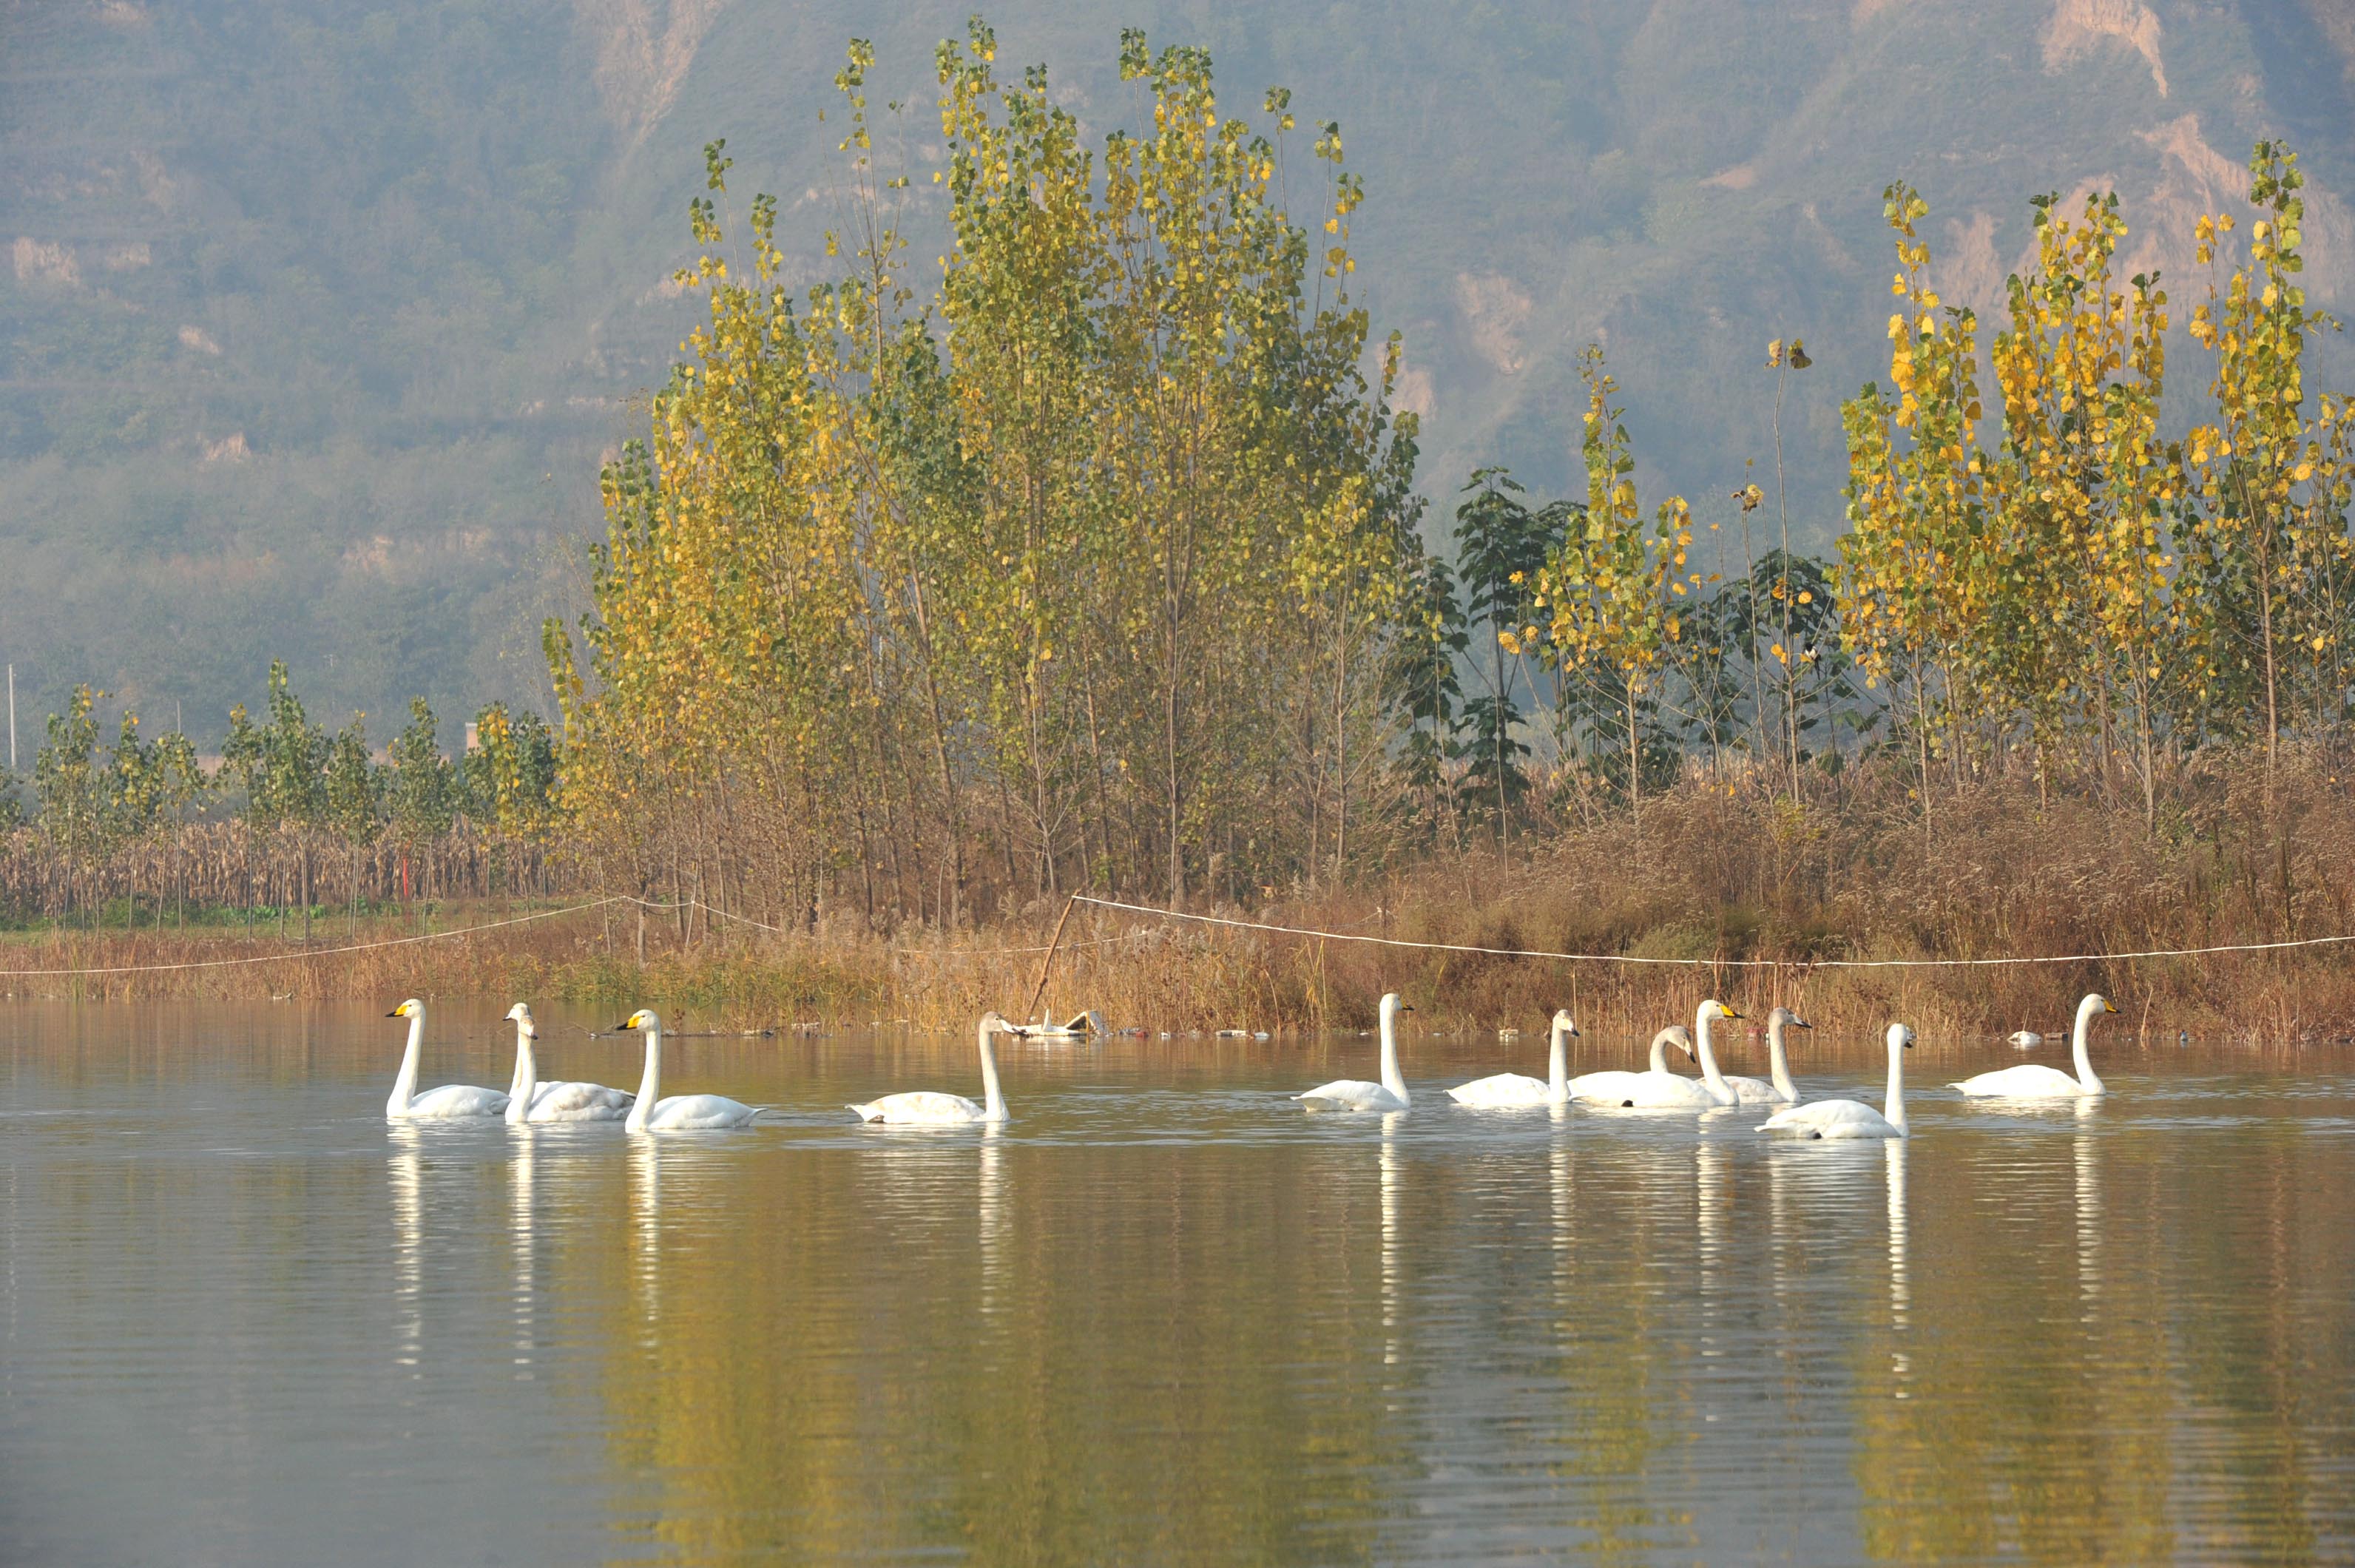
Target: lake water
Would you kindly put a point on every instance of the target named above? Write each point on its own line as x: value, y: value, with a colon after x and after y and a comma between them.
x: 1163, y: 1315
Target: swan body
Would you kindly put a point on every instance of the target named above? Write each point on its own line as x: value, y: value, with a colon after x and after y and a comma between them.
x: 1852, y: 1118
x: 1781, y: 1090
x: 1519, y: 1091
x: 2024, y: 1039
x: 1088, y: 1025
x: 449, y: 1102
x: 2036, y: 1082
x: 1355, y: 1093
x: 929, y: 1107
x: 681, y: 1113
x: 530, y: 1099
x: 1654, y: 1086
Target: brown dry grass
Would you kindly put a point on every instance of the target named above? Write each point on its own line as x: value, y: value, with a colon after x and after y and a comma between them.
x: 1707, y: 876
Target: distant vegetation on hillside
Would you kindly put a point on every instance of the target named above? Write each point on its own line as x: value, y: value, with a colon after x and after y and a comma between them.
x: 317, y: 318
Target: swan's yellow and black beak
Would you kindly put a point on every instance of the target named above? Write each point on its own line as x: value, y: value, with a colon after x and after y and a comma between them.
x: 2108, y: 1006
x: 400, y: 1012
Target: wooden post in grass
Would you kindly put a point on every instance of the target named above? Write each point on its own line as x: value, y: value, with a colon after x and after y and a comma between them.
x: 1039, y: 990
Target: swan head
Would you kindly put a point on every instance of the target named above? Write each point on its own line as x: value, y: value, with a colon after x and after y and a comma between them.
x: 1901, y: 1036
x: 2095, y: 1003
x: 1787, y: 1020
x: 993, y: 1023
x: 1714, y: 1011
x: 1678, y: 1036
x: 411, y: 1009
x: 643, y: 1019
x: 520, y: 1016
x: 1562, y: 1021
x: 1393, y: 1005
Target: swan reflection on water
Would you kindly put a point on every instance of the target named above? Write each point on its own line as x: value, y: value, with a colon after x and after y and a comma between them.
x: 2087, y: 1161
x: 1389, y: 1184
x: 645, y: 1211
x: 405, y: 1175
x: 990, y: 1218
x: 522, y: 1176
x: 1901, y: 1293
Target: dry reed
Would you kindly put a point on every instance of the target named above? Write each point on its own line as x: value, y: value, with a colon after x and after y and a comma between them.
x: 1707, y: 876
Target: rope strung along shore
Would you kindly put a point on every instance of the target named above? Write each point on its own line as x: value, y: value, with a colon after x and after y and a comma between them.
x: 1712, y: 962
x: 301, y: 955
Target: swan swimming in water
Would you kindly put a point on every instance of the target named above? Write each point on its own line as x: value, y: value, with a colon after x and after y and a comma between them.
x: 1781, y: 1090
x: 680, y: 1113
x: 931, y: 1107
x: 529, y: 1100
x: 1852, y: 1118
x: 1670, y: 1091
x: 1617, y: 1086
x: 2036, y: 1082
x: 1519, y: 1091
x: 450, y: 1102
x: 1355, y: 1093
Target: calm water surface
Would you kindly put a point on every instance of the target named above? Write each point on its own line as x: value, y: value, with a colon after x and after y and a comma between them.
x: 1161, y: 1317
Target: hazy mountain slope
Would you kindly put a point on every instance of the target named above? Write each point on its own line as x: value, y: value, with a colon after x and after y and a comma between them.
x: 316, y: 316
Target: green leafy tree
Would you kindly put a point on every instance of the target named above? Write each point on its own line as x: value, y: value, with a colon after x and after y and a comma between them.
x: 421, y: 789
x: 282, y: 764
x: 355, y: 804
x: 70, y: 781
x: 1500, y: 550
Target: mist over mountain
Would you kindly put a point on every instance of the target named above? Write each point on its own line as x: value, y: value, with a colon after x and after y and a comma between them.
x: 316, y: 317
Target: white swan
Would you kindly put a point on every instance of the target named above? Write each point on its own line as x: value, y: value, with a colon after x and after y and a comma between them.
x: 2036, y: 1082
x: 1852, y: 1118
x: 680, y: 1113
x: 1355, y: 1093
x: 529, y: 1100
x: 447, y: 1103
x: 1670, y: 1092
x: 2023, y: 1040
x: 1089, y: 1024
x: 1519, y: 1091
x: 1781, y: 1090
x: 1617, y: 1086
x: 929, y: 1107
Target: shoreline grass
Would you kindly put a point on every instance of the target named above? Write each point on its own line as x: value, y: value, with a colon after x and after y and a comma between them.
x: 1706, y: 877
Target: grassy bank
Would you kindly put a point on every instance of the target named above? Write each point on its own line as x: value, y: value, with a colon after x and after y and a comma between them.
x: 1704, y: 876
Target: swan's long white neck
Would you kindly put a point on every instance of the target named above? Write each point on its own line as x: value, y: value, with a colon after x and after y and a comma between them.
x: 650, y: 1084
x: 1720, y: 1090
x: 1660, y: 1048
x: 404, y: 1083
x: 1558, y: 1063
x: 2087, y: 1083
x: 1896, y: 1107
x: 1777, y: 1065
x: 526, y: 1073
x: 1391, y: 1079
x: 993, y: 1099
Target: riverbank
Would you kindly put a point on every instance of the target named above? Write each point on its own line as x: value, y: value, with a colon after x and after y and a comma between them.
x: 1704, y: 880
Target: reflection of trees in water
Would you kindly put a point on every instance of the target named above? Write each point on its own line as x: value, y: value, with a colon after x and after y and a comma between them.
x: 2040, y: 1420
x: 1029, y: 1350
x: 1105, y: 1365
